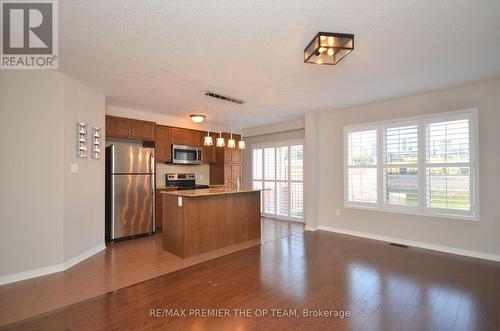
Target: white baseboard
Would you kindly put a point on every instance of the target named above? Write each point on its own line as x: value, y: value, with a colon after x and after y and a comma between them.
x: 85, y: 255
x: 52, y: 268
x: 311, y: 228
x: 440, y: 248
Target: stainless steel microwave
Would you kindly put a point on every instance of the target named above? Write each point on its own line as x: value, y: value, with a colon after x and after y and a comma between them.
x: 186, y: 154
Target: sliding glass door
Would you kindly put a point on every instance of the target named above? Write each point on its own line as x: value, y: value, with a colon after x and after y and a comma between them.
x: 278, y: 168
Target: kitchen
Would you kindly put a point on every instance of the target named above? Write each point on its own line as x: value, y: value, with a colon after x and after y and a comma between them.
x: 146, y: 163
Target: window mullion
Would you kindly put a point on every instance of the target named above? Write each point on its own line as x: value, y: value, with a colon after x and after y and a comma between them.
x: 380, y: 158
x: 421, y: 170
x: 289, y: 179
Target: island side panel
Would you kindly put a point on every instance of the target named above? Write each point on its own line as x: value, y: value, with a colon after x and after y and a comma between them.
x: 205, y: 224
x: 243, y: 216
x: 173, y: 226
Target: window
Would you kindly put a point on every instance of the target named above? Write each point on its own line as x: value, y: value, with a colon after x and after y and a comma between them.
x: 362, y: 166
x: 279, y: 169
x: 400, y: 172
x: 419, y: 166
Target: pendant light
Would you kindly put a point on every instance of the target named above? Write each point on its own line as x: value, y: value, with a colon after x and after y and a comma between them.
x: 241, y: 143
x: 231, y: 143
x: 208, y: 141
x: 219, y: 142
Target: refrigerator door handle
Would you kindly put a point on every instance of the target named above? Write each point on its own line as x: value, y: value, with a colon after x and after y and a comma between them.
x: 112, y: 188
x: 151, y: 162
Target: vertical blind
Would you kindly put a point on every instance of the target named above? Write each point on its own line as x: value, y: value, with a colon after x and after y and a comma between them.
x: 279, y: 169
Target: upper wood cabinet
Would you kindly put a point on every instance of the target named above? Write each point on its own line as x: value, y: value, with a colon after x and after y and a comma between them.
x: 228, y: 163
x: 163, y: 144
x: 210, y: 152
x: 232, y: 155
x: 119, y: 127
x: 185, y: 137
x: 143, y: 130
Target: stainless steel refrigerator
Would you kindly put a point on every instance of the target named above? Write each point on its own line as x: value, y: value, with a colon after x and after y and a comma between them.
x: 130, y: 191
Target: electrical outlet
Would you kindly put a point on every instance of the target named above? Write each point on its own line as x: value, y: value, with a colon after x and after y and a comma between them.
x: 337, y: 212
x: 179, y: 201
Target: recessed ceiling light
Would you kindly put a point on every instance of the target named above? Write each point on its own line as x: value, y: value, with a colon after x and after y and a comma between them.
x: 197, y: 118
x: 328, y: 48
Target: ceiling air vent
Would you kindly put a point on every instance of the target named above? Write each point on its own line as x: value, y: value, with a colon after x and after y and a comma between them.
x: 224, y: 97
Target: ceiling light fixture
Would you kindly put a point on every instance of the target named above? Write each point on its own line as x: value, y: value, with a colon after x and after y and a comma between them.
x: 197, y: 118
x: 231, y: 143
x: 328, y: 48
x: 219, y: 142
x: 208, y: 141
x: 241, y: 143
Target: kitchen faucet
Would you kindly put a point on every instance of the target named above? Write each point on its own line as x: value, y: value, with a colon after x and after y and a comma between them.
x: 236, y: 184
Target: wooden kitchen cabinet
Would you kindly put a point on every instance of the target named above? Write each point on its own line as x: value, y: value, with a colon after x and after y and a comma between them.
x: 159, y: 205
x: 236, y: 172
x: 228, y: 163
x: 185, y: 137
x: 126, y: 128
x: 163, y: 144
x: 209, y: 152
x: 142, y: 130
x: 158, y: 209
x: 232, y: 172
x: 117, y: 127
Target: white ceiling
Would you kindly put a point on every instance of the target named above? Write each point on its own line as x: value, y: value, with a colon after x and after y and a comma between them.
x: 160, y: 56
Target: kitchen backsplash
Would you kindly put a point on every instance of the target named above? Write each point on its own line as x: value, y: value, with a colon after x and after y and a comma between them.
x: 202, y: 172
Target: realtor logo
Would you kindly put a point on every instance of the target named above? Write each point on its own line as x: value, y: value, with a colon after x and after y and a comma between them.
x: 29, y: 34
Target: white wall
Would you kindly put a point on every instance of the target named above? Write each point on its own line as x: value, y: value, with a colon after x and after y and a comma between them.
x: 83, y: 192
x: 31, y: 168
x: 324, y: 141
x: 48, y: 217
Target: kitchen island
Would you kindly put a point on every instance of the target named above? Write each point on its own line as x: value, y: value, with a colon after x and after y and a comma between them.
x: 203, y: 220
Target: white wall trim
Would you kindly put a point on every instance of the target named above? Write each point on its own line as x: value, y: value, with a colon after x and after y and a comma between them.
x: 439, y: 248
x: 83, y: 256
x: 11, y: 278
x: 311, y: 228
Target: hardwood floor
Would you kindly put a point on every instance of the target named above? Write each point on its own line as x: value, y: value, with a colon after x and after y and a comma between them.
x: 120, y: 265
x: 382, y: 287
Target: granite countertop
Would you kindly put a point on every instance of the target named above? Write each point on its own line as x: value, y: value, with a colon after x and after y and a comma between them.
x: 170, y: 188
x: 208, y: 192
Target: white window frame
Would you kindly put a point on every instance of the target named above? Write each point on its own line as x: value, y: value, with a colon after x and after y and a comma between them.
x: 286, y: 143
x: 472, y: 215
x: 365, y: 205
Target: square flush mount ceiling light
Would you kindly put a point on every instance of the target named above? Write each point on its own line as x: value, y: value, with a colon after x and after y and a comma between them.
x: 328, y: 48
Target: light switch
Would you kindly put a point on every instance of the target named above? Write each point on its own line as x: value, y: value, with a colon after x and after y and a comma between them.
x: 74, y: 168
x: 179, y: 201
x: 337, y: 212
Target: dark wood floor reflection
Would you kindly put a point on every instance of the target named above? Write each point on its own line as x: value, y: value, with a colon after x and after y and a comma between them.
x: 383, y: 287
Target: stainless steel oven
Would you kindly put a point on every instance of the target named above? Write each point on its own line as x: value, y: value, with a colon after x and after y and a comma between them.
x: 186, y: 154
